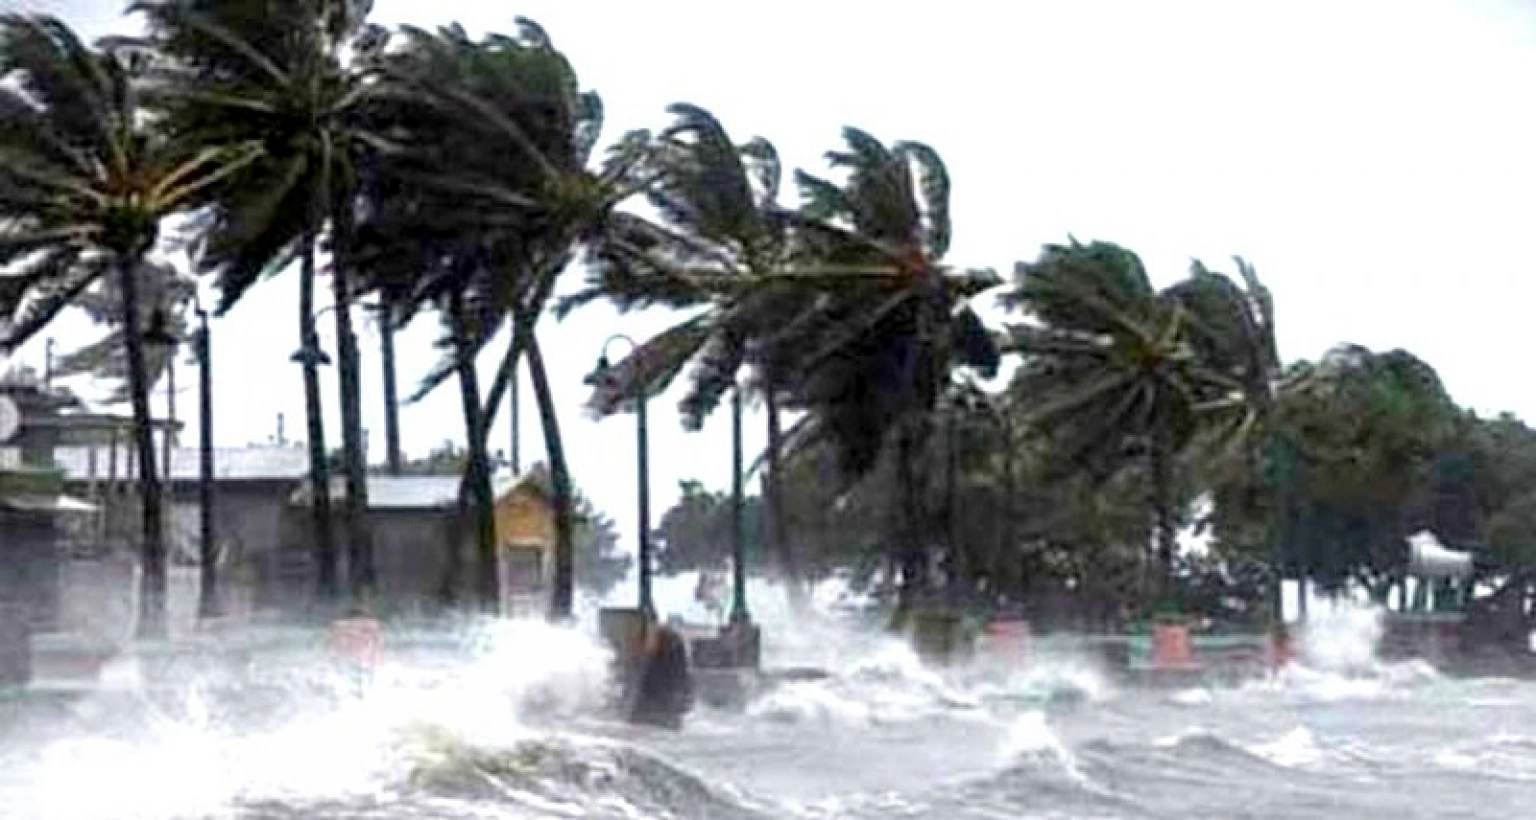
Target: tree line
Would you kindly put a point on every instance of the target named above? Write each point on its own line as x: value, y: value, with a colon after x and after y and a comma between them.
x: 1368, y: 452
x: 430, y: 172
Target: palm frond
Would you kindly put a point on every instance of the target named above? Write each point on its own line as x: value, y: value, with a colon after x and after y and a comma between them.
x: 650, y: 368
x: 934, y: 179
x: 58, y: 278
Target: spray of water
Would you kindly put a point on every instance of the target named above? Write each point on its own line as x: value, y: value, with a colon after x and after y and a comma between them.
x: 1341, y: 636
x: 296, y: 725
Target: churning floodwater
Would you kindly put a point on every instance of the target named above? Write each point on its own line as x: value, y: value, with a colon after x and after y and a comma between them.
x: 505, y: 720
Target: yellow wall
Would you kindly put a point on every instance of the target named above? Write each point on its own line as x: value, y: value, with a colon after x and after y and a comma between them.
x: 524, y: 522
x: 524, y: 518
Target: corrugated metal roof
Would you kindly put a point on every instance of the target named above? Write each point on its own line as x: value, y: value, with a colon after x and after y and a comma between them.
x: 229, y: 463
x: 47, y: 503
x: 408, y: 492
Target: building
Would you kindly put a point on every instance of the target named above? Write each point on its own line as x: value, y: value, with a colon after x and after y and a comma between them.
x: 264, y: 538
x: 413, y: 520
x: 35, y: 509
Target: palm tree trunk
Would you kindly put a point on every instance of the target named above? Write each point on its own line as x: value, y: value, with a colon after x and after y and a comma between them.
x: 1166, y: 534
x: 499, y: 386
x: 319, y: 469
x: 349, y: 378
x: 393, y: 456
x: 514, y: 414
x: 482, y: 500
x: 354, y: 458
x: 152, y: 581
x: 779, y: 543
x: 959, y: 575
x: 913, y: 558
x: 562, y: 597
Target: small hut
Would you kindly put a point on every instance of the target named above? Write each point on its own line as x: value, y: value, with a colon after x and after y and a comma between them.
x: 414, y: 519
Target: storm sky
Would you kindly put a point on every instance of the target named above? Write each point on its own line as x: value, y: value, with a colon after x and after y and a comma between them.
x: 1374, y: 160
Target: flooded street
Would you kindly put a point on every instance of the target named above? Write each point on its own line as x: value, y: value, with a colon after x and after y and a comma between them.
x: 507, y: 721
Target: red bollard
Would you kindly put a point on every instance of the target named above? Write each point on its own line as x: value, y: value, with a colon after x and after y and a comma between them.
x: 1008, y: 639
x: 1171, y: 647
x: 356, y: 638
x: 1281, y: 650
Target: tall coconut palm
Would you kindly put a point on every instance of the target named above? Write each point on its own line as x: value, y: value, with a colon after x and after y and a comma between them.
x: 720, y: 220
x: 846, y: 306
x: 478, y: 201
x: 1231, y: 329
x: 874, y: 353
x: 86, y: 177
x: 1115, y: 374
x: 289, y: 75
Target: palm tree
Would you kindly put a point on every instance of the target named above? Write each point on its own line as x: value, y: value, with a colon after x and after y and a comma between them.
x: 874, y: 353
x: 1115, y: 374
x: 720, y: 220
x: 1232, y: 332
x: 476, y: 205
x: 86, y: 177
x: 846, y: 306
x: 289, y: 75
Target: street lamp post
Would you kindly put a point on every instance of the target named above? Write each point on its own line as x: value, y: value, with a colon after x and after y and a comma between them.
x: 642, y: 459
x: 159, y: 334
x: 208, y: 575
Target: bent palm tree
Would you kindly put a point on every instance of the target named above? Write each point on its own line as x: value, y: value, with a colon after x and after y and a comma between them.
x: 486, y: 167
x: 1232, y: 331
x: 85, y: 180
x: 1116, y: 375
x: 289, y: 75
x: 720, y: 220
x: 876, y: 350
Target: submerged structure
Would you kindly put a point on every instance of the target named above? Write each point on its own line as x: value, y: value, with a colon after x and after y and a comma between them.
x: 35, y: 514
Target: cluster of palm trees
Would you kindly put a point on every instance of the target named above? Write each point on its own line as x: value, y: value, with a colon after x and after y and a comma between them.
x: 432, y: 171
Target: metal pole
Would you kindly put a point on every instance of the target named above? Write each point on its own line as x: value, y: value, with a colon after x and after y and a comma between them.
x: 646, y: 603
x: 739, y: 614
x: 48, y: 363
x: 208, y: 593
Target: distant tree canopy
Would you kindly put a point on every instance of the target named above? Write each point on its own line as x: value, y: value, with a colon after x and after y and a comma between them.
x: 1380, y: 452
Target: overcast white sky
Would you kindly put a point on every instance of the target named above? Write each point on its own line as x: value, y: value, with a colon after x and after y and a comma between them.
x: 1373, y: 159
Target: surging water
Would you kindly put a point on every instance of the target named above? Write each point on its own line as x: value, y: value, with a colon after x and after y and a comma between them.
x: 504, y: 720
